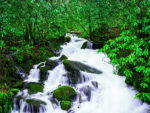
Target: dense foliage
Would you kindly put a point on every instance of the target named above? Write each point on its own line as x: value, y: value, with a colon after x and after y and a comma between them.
x: 33, y: 30
x: 130, y: 52
x: 6, y: 100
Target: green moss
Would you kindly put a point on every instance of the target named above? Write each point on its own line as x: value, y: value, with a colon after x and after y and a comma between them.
x: 63, y: 57
x: 64, y: 93
x: 67, y: 39
x: 34, y: 88
x: 51, y: 63
x: 66, y: 62
x: 35, y: 102
x: 65, y: 105
x: 43, y: 73
x: 84, y: 45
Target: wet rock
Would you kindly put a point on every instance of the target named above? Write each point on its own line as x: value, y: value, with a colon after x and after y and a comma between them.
x: 63, y: 57
x: 35, y: 102
x: 34, y: 87
x: 34, y: 106
x: 87, y: 91
x: 44, y: 73
x: 42, y: 64
x: 65, y: 105
x: 95, y: 84
x: 87, y: 45
x: 64, y: 93
x: 54, y: 101
x: 80, y: 98
x: 70, y: 65
x: 84, y: 45
x: 51, y: 64
x: 74, y: 69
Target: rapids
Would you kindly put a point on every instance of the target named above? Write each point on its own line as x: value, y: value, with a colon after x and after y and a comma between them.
x: 97, y: 93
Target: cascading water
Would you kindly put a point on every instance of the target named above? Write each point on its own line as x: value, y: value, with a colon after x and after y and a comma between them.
x: 97, y: 93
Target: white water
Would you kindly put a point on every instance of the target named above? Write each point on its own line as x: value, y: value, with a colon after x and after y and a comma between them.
x: 111, y: 96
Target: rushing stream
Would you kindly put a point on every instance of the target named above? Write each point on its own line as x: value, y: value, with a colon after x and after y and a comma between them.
x: 97, y: 93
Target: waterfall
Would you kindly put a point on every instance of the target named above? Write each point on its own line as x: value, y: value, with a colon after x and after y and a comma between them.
x: 96, y: 93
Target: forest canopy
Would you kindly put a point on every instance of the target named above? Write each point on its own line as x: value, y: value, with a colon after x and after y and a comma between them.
x: 33, y: 30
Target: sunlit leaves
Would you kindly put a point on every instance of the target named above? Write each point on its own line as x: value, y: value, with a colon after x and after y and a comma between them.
x: 2, y: 44
x: 144, y: 85
x: 130, y: 51
x: 6, y: 101
x: 143, y: 96
x: 128, y: 73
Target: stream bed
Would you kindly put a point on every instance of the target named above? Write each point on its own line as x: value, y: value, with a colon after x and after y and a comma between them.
x: 102, y: 92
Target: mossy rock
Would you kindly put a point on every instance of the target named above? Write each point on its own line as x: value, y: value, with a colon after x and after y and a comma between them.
x: 69, y: 65
x: 65, y: 105
x: 64, y: 93
x: 67, y: 39
x: 51, y: 64
x: 42, y: 64
x: 34, y: 88
x: 84, y: 45
x: 35, y: 102
x: 44, y: 73
x: 63, y: 57
x: 37, y: 106
x: 66, y: 61
x: 74, y: 69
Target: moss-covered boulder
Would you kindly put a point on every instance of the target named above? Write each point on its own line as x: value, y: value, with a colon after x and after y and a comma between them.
x: 36, y: 102
x: 63, y: 57
x: 51, y: 63
x: 64, y: 93
x: 36, y: 105
x: 84, y: 45
x: 65, y: 105
x: 74, y: 69
x: 67, y: 39
x: 34, y: 87
x: 70, y: 65
x: 44, y: 73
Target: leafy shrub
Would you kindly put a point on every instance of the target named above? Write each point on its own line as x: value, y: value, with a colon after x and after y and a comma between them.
x: 130, y: 52
x: 6, y: 100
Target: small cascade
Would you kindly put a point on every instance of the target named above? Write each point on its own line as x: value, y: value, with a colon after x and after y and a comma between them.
x: 98, y: 89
